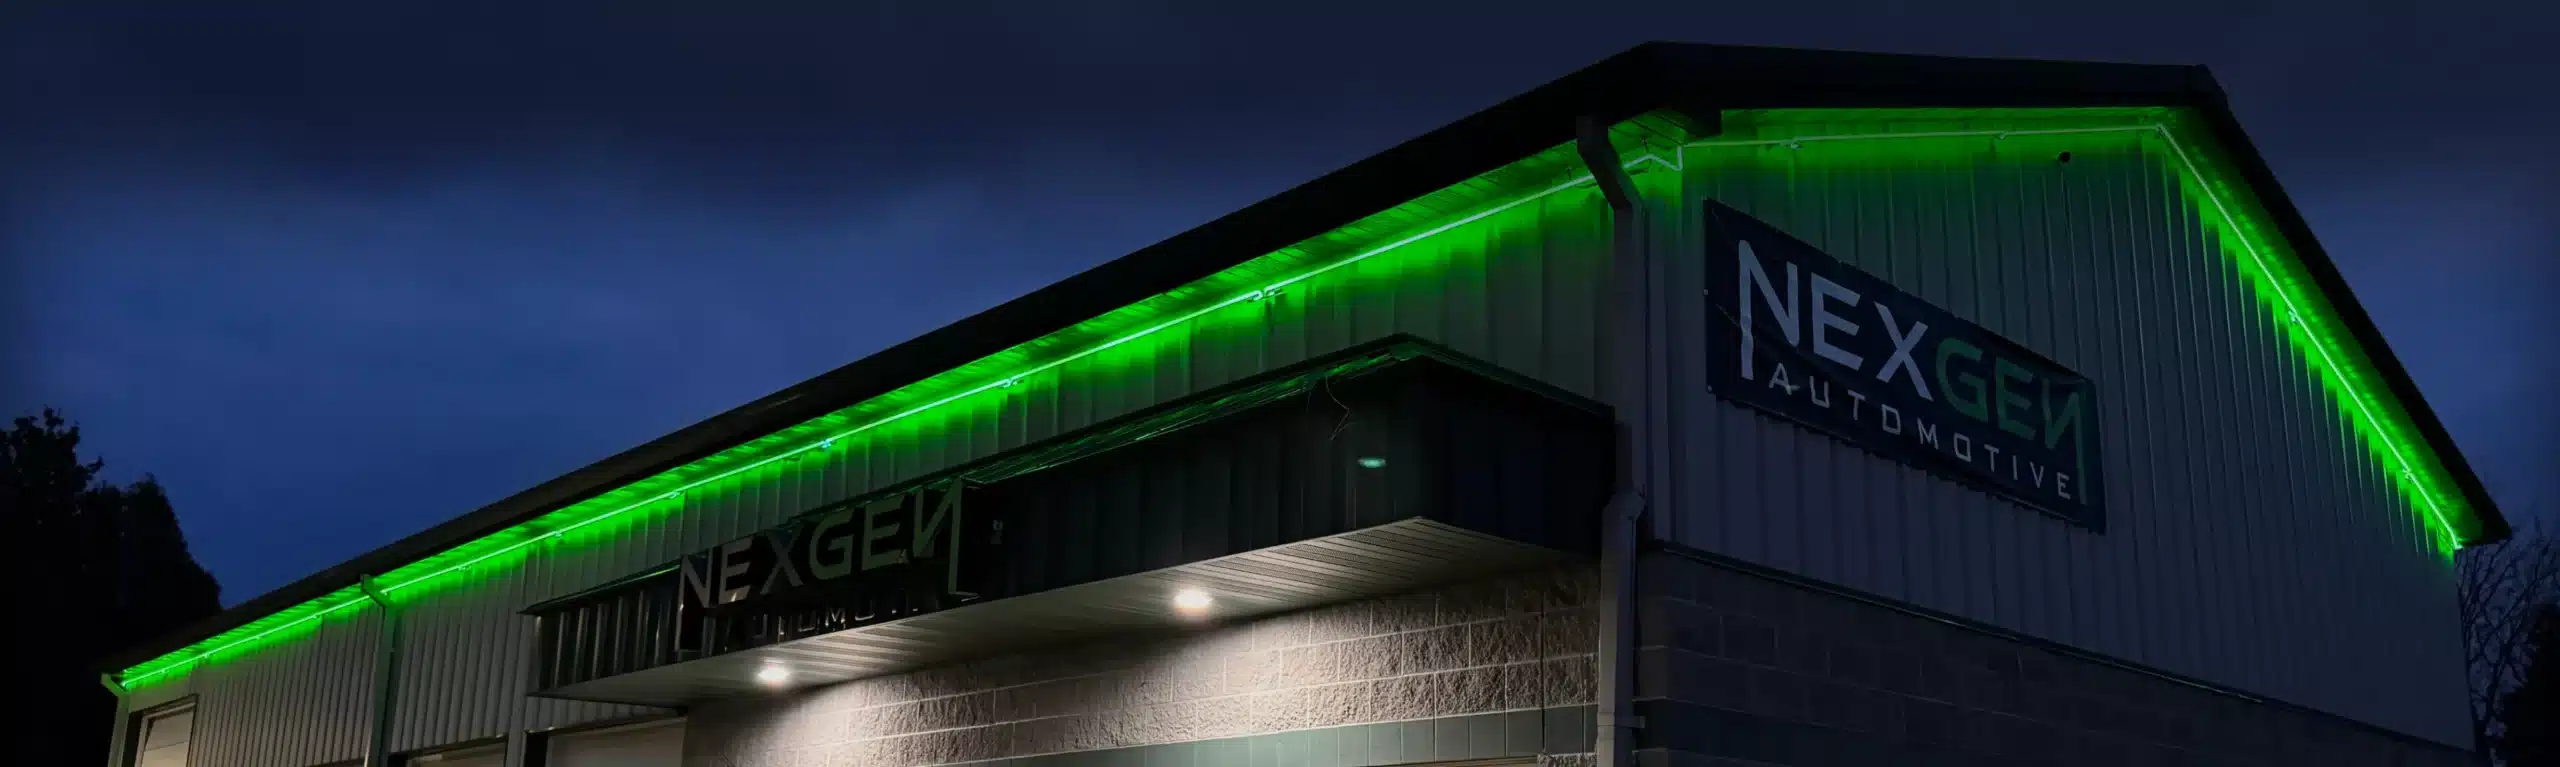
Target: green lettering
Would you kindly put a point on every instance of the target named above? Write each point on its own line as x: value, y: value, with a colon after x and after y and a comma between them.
x: 2002, y: 372
x: 2056, y: 419
x: 1971, y: 404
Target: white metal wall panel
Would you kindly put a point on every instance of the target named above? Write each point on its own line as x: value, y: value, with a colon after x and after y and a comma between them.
x: 466, y: 668
x: 2252, y: 542
x: 317, y: 687
x: 1521, y: 290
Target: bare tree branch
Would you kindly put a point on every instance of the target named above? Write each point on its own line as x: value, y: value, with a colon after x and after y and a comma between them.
x: 2499, y: 588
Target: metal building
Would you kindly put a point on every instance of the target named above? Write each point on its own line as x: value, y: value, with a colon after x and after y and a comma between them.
x: 1791, y: 407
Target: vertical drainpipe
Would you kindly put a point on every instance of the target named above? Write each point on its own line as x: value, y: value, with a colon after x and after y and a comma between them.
x: 124, y: 712
x: 386, y: 676
x: 1626, y: 345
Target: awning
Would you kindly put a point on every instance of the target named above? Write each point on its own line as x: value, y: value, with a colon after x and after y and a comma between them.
x: 1386, y: 468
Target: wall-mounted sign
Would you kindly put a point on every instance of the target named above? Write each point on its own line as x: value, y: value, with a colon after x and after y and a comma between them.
x: 1805, y: 337
x: 876, y: 558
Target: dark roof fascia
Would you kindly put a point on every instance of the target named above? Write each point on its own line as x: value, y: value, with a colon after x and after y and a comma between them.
x: 1691, y: 78
x: 1613, y: 90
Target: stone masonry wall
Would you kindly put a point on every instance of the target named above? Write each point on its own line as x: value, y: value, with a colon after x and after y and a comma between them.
x: 1740, y: 669
x: 1494, y: 669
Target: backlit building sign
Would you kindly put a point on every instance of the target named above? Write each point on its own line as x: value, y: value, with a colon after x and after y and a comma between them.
x: 1803, y: 336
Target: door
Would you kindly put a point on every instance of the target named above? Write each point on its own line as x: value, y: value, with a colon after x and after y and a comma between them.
x: 653, y: 744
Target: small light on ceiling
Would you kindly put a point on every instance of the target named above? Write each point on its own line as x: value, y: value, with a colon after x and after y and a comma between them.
x: 1191, y: 600
x: 1373, y: 462
x: 773, y: 674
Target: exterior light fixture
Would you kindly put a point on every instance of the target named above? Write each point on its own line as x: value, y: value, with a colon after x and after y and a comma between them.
x: 773, y: 675
x: 1191, y: 601
x: 1372, y: 462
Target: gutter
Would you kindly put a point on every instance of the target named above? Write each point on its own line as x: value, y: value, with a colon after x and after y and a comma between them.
x: 117, y: 748
x: 1625, y: 349
x: 386, y: 676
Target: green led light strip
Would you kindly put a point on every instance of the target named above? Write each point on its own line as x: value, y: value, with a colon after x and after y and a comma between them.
x: 2296, y: 315
x: 2390, y: 435
x: 1008, y: 381
x: 2425, y: 486
x: 165, y: 664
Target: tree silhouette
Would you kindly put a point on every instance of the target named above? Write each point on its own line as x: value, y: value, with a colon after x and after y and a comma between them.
x: 2500, y: 588
x: 93, y: 567
x: 2532, y: 737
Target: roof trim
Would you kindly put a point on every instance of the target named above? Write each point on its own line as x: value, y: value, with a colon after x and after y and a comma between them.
x: 2243, y: 158
x: 1686, y: 77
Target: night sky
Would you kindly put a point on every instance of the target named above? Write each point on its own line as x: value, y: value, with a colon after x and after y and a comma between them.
x: 338, y: 273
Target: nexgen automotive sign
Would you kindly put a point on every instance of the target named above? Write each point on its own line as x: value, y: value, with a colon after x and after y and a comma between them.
x: 1805, y: 337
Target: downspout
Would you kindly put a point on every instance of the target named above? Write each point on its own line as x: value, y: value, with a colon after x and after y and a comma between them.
x: 124, y: 713
x: 1625, y: 345
x: 386, y: 676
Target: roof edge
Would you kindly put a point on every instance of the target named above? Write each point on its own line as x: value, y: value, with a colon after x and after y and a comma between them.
x: 1651, y: 76
x: 1616, y: 89
x: 2253, y: 169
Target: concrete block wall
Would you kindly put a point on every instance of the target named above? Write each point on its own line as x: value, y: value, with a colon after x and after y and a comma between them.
x: 1741, y: 669
x: 1502, y: 668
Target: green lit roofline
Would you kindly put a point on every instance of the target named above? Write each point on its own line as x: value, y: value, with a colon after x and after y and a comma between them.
x: 510, y: 545
x: 2310, y: 322
x: 2396, y: 426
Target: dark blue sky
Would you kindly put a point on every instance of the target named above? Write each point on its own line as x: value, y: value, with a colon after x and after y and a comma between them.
x: 340, y: 272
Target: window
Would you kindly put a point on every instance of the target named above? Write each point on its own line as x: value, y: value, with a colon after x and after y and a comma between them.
x: 164, y: 736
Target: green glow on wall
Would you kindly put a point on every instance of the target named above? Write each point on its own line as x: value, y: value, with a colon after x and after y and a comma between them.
x: 2275, y: 274
x: 2315, y: 328
x: 1516, y: 187
x: 912, y: 411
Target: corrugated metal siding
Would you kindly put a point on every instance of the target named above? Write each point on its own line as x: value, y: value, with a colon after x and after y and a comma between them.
x: 1520, y: 290
x: 2252, y: 542
x: 468, y: 655
x: 322, y: 686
